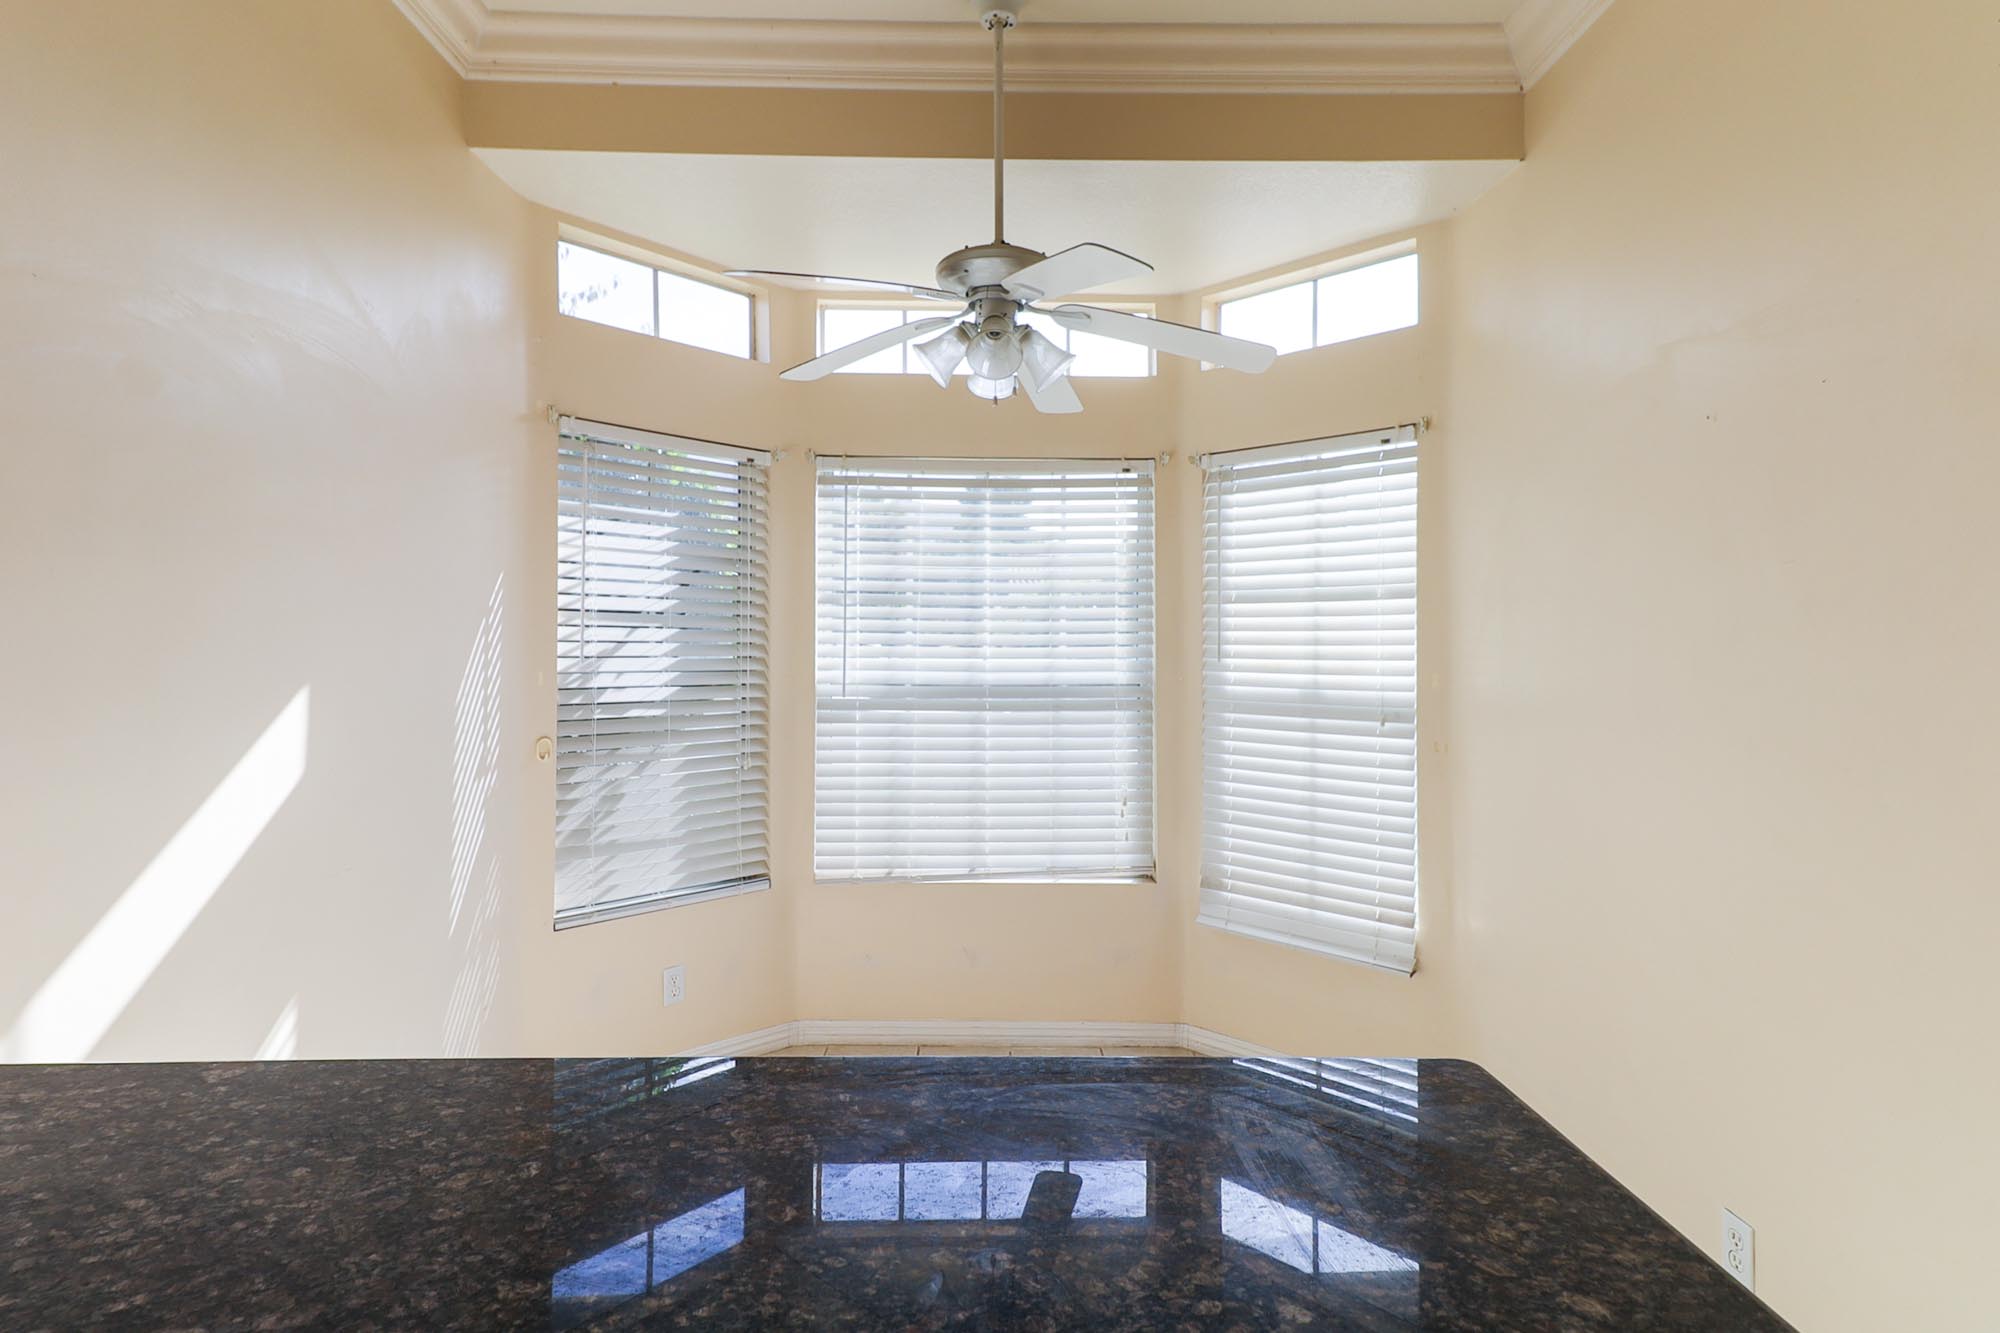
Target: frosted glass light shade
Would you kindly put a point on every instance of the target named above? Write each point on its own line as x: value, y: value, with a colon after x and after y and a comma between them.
x: 994, y: 358
x: 991, y: 388
x: 1041, y: 359
x: 942, y: 354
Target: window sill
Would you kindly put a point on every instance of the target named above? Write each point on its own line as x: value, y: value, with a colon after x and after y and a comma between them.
x: 594, y: 916
x: 1305, y: 946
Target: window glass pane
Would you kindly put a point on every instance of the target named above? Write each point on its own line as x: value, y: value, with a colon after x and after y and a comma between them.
x: 1097, y: 355
x: 839, y: 327
x: 1048, y: 328
x: 1366, y: 301
x: 702, y: 315
x: 1283, y: 318
x: 604, y: 288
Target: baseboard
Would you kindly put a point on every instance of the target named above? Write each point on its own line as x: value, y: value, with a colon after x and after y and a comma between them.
x: 761, y: 1042
x: 1204, y: 1042
x: 955, y: 1032
x: 996, y: 1033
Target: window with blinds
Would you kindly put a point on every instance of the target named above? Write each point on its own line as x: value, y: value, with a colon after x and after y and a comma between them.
x: 1309, y: 696
x: 985, y: 670
x: 660, y: 671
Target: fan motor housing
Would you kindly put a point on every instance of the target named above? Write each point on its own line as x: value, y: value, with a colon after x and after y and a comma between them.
x: 966, y: 271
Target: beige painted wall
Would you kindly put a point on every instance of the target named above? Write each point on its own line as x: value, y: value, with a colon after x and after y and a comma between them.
x: 264, y: 360
x: 1077, y: 127
x: 272, y: 351
x: 1724, y: 596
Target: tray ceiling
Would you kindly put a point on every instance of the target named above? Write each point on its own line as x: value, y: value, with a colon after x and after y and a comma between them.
x: 1199, y: 224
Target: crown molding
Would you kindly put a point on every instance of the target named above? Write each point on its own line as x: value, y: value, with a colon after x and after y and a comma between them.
x: 539, y: 47
x: 1540, y: 31
x: 452, y: 27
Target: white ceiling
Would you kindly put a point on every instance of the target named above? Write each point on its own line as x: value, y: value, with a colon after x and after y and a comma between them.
x: 1199, y: 224
x: 1047, y: 11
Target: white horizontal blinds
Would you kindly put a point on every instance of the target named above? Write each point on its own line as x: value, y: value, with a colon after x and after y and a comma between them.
x: 660, y: 670
x: 985, y: 669
x: 1309, y: 696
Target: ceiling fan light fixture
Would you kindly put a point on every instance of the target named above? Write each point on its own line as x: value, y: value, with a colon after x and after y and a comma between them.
x: 996, y: 286
x: 995, y: 358
x: 1041, y: 360
x: 942, y: 354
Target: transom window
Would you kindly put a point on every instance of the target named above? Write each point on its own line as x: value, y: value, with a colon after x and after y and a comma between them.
x: 1319, y: 311
x: 641, y: 298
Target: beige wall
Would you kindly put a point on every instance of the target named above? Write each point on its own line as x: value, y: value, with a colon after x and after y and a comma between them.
x: 273, y: 349
x: 1723, y: 586
x: 1077, y: 127
x: 264, y: 362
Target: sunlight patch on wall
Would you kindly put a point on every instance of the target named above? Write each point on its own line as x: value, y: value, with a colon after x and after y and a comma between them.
x: 475, y: 863
x: 88, y: 991
x: 282, y: 1041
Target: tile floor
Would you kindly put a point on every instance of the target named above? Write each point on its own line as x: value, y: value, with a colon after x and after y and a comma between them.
x: 983, y: 1050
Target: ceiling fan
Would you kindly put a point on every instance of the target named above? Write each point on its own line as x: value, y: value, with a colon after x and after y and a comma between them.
x: 995, y: 285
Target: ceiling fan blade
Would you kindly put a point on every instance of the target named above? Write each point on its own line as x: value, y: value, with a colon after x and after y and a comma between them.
x: 1165, y: 336
x: 865, y: 284
x: 826, y: 364
x: 1060, y: 396
x: 1077, y: 269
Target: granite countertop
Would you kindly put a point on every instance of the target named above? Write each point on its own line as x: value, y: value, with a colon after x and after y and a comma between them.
x: 780, y: 1193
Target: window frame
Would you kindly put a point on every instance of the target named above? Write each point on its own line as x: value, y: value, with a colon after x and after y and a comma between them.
x: 1222, y: 897
x: 1149, y: 540
x: 754, y: 753
x: 675, y: 268
x: 1311, y: 276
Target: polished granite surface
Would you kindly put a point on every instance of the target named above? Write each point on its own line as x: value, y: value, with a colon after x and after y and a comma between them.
x: 780, y: 1193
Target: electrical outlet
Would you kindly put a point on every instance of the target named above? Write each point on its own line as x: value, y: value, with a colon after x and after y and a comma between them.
x: 1739, y: 1249
x: 674, y: 984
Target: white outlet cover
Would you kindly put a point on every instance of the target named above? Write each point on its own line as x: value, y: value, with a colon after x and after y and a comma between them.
x: 1739, y: 1249
x: 673, y: 984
